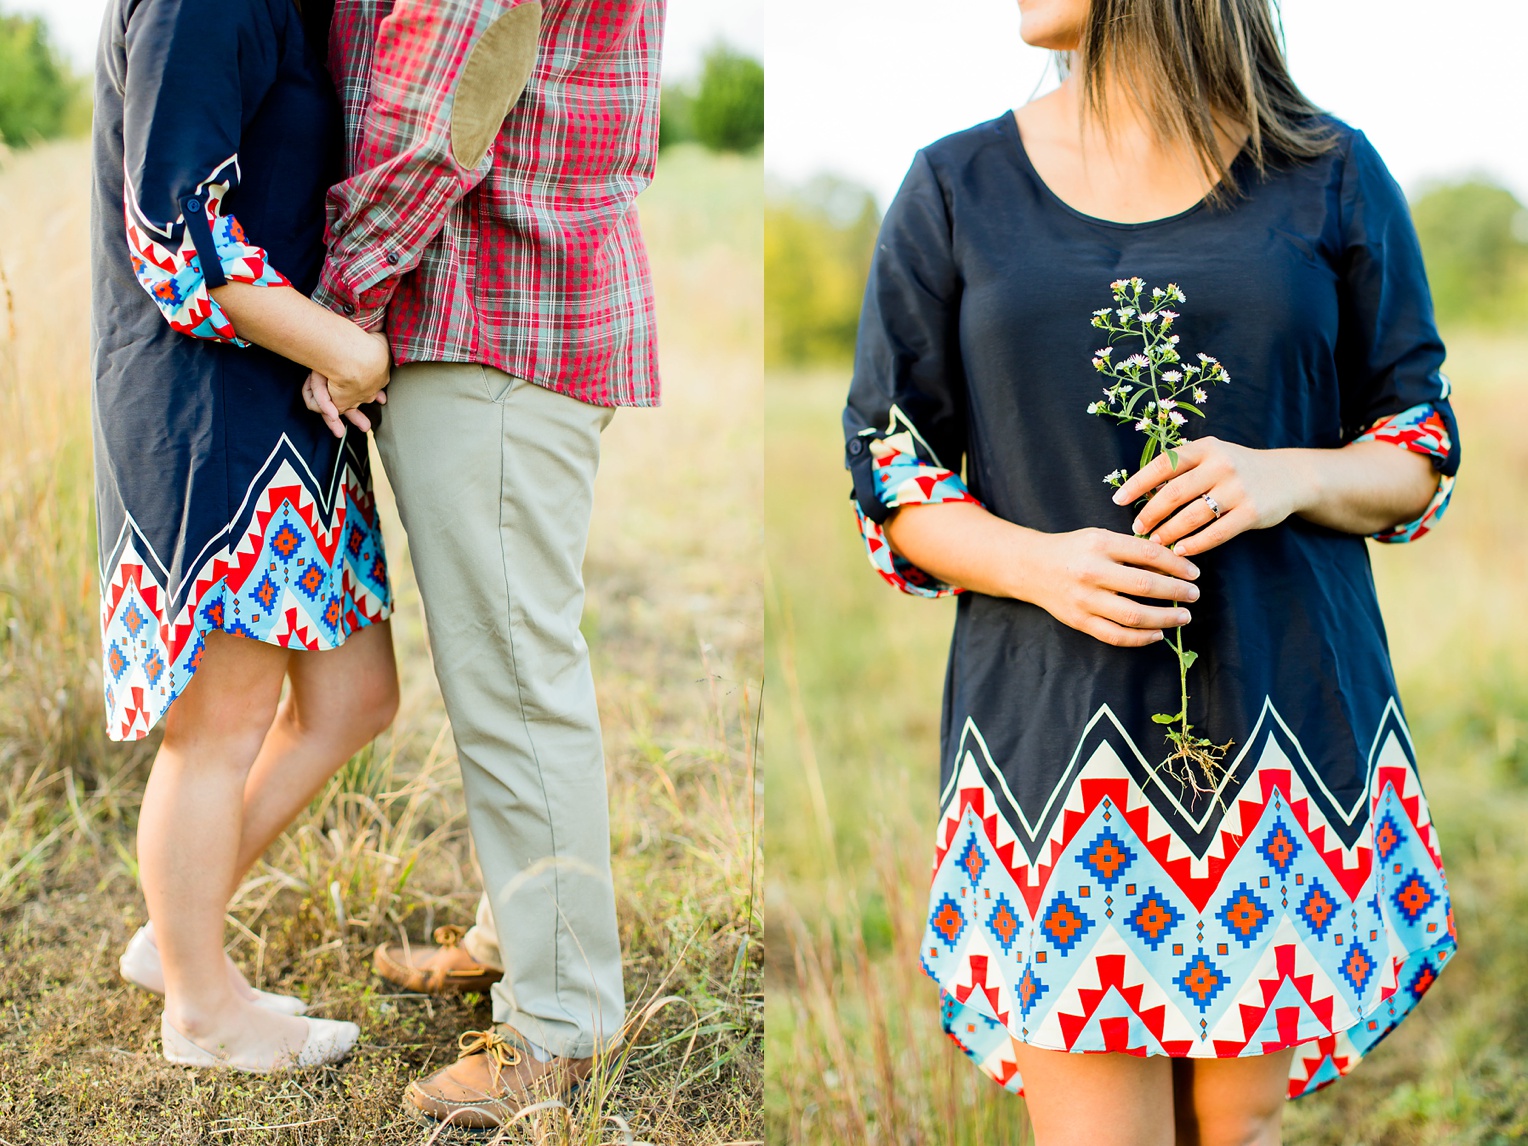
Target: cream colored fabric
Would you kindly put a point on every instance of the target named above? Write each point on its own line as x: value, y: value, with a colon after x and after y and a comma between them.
x: 481, y: 941
x: 494, y: 479
x: 497, y: 70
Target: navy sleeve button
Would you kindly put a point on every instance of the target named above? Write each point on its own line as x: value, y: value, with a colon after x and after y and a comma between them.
x: 193, y: 205
x: 856, y: 447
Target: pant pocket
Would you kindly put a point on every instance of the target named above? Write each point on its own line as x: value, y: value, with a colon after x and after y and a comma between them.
x: 496, y: 383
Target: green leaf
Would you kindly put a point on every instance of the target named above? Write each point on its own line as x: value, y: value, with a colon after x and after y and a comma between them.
x: 1189, y: 657
x: 1191, y: 408
x: 1163, y: 718
x: 1172, y: 456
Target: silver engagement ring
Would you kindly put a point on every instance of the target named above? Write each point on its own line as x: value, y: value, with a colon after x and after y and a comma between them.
x: 1212, y: 503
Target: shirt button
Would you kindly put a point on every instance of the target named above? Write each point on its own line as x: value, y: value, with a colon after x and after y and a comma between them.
x: 347, y: 308
x: 392, y: 259
x: 193, y: 205
x: 856, y: 447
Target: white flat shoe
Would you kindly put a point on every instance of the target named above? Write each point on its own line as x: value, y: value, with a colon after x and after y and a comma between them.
x: 140, y: 966
x: 328, y: 1041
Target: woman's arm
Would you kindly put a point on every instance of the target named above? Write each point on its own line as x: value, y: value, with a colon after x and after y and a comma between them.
x: 1084, y: 579
x: 355, y: 361
x: 1364, y: 487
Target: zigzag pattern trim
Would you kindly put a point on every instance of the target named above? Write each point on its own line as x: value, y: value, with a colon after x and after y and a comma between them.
x: 295, y: 574
x: 1122, y: 938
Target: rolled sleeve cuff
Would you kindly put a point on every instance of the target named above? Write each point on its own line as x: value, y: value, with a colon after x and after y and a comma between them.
x: 213, y: 251
x: 890, y: 472
x: 1427, y: 429
x: 362, y: 290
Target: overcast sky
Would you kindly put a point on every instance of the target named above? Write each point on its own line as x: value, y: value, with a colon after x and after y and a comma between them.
x: 1437, y: 87
x: 693, y: 25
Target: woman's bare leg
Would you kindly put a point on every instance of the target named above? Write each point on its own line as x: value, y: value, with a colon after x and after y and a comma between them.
x: 339, y: 701
x: 1231, y: 1101
x: 188, y: 842
x: 1097, y: 1099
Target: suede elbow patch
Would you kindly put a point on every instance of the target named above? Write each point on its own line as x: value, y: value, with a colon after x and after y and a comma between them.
x: 497, y: 70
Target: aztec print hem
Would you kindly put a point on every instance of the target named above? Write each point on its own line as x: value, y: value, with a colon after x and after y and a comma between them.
x: 1422, y: 430
x: 904, y: 471
x: 175, y: 278
x: 1107, y: 929
x: 287, y: 571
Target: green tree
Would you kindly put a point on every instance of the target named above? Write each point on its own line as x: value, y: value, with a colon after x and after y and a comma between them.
x: 728, y: 109
x: 818, y: 240
x: 38, y: 93
x: 1474, y: 238
x: 676, y: 112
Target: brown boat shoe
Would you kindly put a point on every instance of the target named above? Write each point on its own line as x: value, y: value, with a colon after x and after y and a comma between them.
x: 444, y: 968
x: 492, y: 1081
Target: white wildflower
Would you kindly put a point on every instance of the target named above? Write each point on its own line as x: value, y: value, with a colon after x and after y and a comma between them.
x: 1172, y: 375
x: 1104, y: 352
x: 1115, y: 478
x: 1093, y: 407
x: 1136, y: 360
x: 1149, y: 316
x: 1125, y: 312
x: 1143, y: 425
x: 1169, y: 404
x: 1199, y: 394
x: 1100, y: 314
x: 1177, y: 418
x: 1173, y: 340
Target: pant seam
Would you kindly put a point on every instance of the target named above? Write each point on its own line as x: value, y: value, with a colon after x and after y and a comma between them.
x: 530, y: 738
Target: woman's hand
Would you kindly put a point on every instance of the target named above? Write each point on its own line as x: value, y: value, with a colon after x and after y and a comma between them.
x: 1254, y: 489
x: 1084, y: 579
x: 1087, y: 579
x: 1362, y: 488
x: 367, y: 373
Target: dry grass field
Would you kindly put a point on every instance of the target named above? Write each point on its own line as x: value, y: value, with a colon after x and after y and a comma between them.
x: 674, y: 619
x: 854, y: 1047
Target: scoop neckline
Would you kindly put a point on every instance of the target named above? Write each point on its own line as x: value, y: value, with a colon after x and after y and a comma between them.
x: 1011, y: 120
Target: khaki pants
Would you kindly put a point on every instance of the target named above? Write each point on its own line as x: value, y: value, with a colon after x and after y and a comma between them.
x: 494, y: 478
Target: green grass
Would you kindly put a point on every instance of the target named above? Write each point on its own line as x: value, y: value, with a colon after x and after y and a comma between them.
x: 674, y: 619
x: 854, y: 1048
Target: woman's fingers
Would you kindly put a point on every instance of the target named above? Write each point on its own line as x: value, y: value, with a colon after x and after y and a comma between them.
x: 1134, y: 615
x: 1180, y: 491
x: 1127, y: 550
x: 359, y: 420
x: 1136, y: 582
x: 1193, y: 516
x: 1231, y: 523
x: 1157, y: 471
x: 1113, y: 634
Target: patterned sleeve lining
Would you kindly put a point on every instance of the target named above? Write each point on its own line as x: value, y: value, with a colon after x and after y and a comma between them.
x: 212, y: 251
x: 905, y: 472
x: 1422, y: 430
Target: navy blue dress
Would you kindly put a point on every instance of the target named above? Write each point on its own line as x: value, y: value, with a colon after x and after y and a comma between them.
x: 1084, y: 898
x: 224, y: 504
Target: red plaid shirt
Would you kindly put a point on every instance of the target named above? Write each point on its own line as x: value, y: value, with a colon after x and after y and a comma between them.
x: 532, y: 262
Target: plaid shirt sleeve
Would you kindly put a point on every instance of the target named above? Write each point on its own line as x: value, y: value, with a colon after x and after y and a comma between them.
x: 405, y: 174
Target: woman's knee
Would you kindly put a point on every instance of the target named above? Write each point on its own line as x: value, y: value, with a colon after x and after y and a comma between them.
x: 350, y: 708
x: 226, y: 708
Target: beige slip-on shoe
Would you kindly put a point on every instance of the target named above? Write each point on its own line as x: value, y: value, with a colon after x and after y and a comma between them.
x: 140, y: 965
x: 327, y: 1041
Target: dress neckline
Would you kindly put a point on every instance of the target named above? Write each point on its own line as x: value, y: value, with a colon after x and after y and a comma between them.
x: 1011, y: 127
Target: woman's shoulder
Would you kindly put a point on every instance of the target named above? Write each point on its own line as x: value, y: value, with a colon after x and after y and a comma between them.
x: 990, y: 137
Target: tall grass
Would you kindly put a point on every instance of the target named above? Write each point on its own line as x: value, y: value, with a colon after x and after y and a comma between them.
x: 674, y: 620
x: 854, y: 1047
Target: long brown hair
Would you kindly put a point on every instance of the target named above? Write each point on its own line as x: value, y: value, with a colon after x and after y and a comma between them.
x: 1191, y: 63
